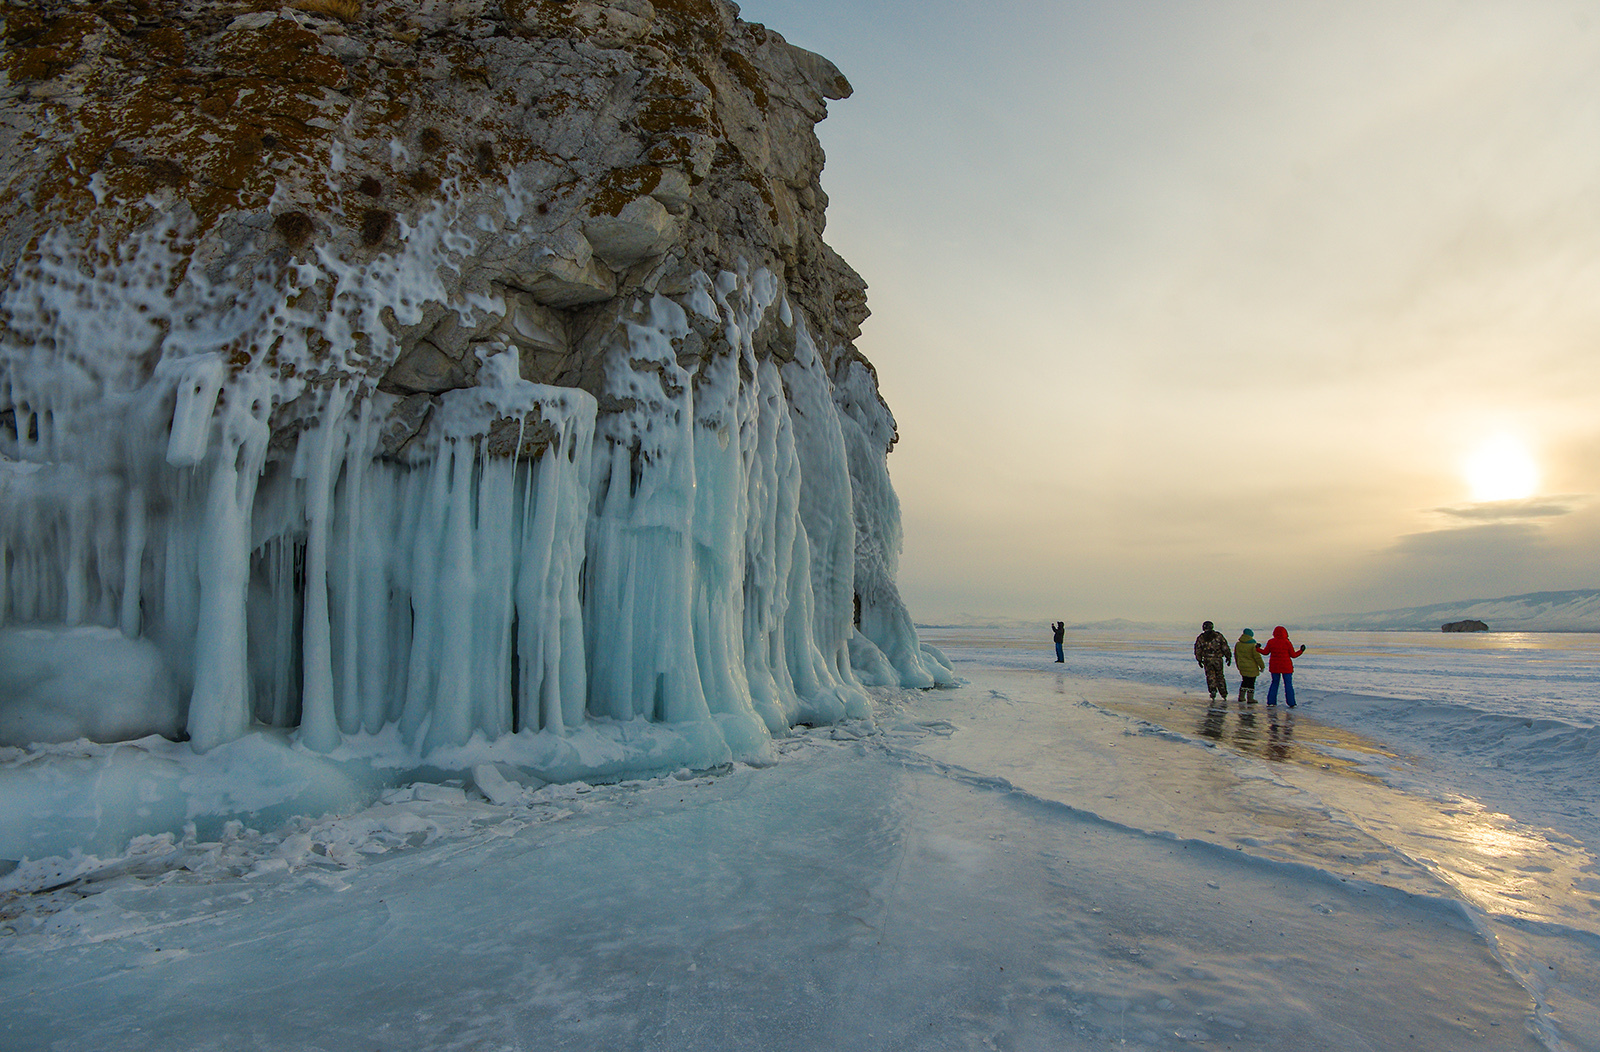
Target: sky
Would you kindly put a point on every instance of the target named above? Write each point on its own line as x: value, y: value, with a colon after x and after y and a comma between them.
x: 1228, y: 309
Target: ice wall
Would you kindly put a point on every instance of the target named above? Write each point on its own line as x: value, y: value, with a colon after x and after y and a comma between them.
x: 447, y: 374
x: 522, y: 565
x: 885, y: 646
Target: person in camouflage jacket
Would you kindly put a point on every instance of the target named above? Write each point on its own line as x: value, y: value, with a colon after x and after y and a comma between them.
x: 1211, y: 652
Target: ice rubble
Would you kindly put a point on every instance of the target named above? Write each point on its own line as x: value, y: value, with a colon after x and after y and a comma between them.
x: 212, y: 469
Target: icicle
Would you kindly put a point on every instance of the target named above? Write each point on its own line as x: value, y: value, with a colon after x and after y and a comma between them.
x: 77, y: 576
x: 128, y: 616
x: 493, y: 606
x: 641, y: 543
x: 828, y: 551
x: 609, y: 606
x: 430, y: 497
x: 769, y: 554
x: 537, y: 659
x: 219, y: 709
x: 198, y: 381
x: 550, y: 645
x: 319, y: 727
x: 385, y: 618
x: 359, y: 587
x: 180, y: 580
x: 566, y: 492
x: 452, y: 704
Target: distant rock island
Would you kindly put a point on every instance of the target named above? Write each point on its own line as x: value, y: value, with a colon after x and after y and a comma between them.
x: 1577, y: 610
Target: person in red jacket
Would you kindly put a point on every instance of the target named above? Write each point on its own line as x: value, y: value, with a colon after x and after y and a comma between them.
x: 1280, y: 662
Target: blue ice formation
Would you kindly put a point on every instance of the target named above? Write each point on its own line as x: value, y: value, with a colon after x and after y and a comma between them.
x: 695, y: 557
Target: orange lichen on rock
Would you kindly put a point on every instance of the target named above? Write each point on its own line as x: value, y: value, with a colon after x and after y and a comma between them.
x: 38, y: 49
x: 662, y: 115
x: 747, y: 75
x: 621, y: 186
x: 282, y: 50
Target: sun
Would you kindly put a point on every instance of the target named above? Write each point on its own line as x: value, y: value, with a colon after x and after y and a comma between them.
x: 1501, y: 468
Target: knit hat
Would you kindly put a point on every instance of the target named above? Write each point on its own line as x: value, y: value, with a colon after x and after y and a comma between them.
x: 1250, y: 632
x: 1206, y: 626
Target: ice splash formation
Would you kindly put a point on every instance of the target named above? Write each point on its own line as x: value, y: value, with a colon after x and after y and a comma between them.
x: 475, y: 406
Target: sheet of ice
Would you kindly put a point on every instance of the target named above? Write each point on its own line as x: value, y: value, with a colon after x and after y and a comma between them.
x: 1511, y: 720
x: 1495, y: 804
x: 87, y: 798
x: 1006, y: 864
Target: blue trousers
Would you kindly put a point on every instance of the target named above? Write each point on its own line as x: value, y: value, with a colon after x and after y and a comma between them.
x: 1059, y: 655
x: 1288, y: 688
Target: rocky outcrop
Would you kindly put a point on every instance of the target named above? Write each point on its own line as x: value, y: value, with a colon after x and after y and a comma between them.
x: 1464, y: 626
x: 589, y: 152
x: 475, y: 367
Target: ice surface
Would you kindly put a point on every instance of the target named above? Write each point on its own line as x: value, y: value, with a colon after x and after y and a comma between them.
x: 1512, y: 720
x: 522, y: 565
x: 1016, y: 863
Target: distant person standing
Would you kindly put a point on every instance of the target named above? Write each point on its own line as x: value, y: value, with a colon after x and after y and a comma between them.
x: 1281, y: 654
x: 1211, y: 651
x: 1059, y: 630
x: 1247, y: 659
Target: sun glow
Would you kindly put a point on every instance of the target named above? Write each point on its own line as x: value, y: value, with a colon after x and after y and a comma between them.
x: 1501, y: 468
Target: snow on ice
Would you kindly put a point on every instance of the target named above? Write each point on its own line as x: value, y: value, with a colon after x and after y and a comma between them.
x: 1015, y: 863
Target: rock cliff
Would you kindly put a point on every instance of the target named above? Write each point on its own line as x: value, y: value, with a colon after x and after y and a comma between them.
x: 476, y: 369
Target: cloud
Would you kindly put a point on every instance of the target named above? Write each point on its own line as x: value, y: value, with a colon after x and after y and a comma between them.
x: 1495, y: 542
x: 1514, y: 510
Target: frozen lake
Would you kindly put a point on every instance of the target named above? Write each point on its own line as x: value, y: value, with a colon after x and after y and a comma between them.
x: 1508, y: 720
x: 1537, y: 674
x: 1046, y: 857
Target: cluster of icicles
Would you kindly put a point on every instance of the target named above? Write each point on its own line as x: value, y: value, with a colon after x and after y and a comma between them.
x: 702, y: 557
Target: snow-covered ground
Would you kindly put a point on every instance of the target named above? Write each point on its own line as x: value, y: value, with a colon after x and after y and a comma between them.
x: 1047, y: 857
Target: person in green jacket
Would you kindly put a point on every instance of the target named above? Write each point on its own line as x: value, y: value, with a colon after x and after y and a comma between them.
x: 1249, y: 664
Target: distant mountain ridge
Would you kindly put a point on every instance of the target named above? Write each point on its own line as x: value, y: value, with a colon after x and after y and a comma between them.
x: 984, y: 621
x: 1577, y: 610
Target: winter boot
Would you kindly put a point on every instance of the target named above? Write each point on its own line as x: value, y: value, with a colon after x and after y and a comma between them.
x: 1241, y: 695
x: 1252, y: 698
